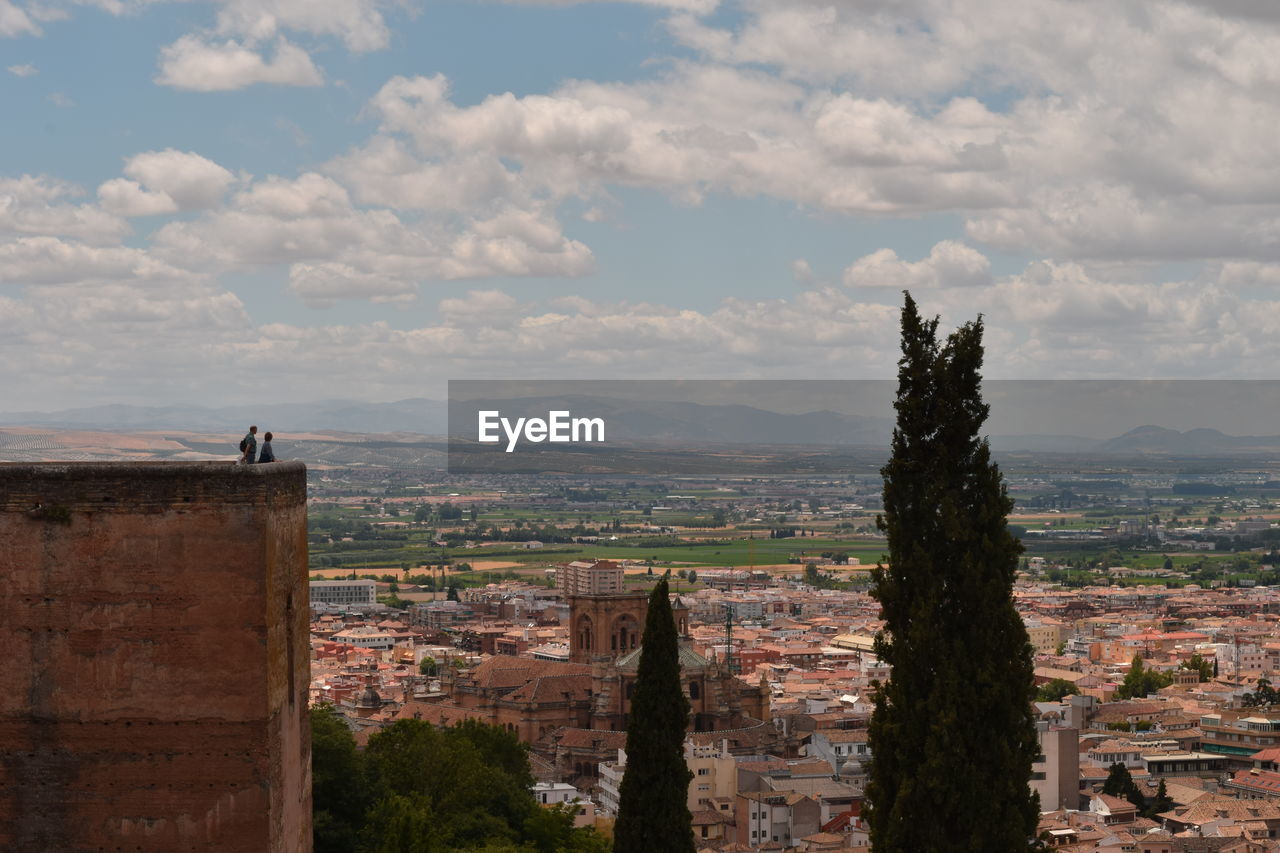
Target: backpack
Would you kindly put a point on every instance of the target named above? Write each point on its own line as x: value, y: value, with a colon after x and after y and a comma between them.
x: 243, y: 445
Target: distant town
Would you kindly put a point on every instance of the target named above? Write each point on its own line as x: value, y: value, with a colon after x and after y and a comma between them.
x: 1149, y: 588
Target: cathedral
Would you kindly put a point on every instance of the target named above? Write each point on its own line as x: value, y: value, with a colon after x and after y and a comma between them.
x: 575, y: 714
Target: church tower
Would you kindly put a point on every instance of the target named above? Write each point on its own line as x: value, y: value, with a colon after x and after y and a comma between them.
x: 605, y: 620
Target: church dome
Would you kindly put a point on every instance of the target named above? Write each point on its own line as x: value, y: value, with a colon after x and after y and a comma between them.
x: 689, y: 659
x: 369, y: 698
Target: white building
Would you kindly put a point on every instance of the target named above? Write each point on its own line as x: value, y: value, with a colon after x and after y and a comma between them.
x: 550, y: 794
x: 715, y: 775
x: 344, y: 593
x: 365, y: 637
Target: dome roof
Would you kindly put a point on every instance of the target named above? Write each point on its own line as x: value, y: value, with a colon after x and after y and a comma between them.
x: 852, y: 767
x: 689, y: 659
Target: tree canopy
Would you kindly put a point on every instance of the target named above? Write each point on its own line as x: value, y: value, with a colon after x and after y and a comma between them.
x: 419, y: 788
x: 957, y: 646
x: 1141, y: 681
x: 1055, y: 690
x: 653, y: 811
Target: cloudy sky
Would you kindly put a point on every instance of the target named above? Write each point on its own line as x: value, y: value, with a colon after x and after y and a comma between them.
x: 256, y: 200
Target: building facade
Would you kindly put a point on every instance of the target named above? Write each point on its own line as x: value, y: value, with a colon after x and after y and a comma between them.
x: 344, y: 593
x: 154, y: 695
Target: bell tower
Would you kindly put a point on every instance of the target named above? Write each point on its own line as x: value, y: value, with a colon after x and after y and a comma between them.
x: 605, y: 620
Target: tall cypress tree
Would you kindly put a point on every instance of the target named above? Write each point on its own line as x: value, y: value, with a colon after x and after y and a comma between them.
x: 952, y: 736
x: 653, y: 810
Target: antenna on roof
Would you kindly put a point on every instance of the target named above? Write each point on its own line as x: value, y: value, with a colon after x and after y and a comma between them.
x: 730, y: 661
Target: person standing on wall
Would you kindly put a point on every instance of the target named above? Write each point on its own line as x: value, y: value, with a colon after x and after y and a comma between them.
x: 249, y: 446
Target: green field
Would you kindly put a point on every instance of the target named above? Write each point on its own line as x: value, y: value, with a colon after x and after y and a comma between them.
x: 737, y: 552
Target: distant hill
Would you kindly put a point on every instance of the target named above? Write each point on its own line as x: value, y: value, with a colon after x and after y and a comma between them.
x: 418, y: 415
x: 1194, y: 442
x: 673, y: 422
x: 635, y: 420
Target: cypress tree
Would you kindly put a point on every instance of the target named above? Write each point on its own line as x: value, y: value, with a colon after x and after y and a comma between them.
x: 653, y: 810
x: 952, y: 736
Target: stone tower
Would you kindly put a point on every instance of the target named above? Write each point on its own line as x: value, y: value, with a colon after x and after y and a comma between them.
x: 153, y: 695
x: 605, y: 620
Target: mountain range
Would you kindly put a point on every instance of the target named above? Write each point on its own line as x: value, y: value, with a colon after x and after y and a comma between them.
x: 674, y: 422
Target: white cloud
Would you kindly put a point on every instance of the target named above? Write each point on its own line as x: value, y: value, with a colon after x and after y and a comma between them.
x: 1103, y: 137
x: 1050, y: 320
x: 192, y: 181
x: 49, y: 260
x: 197, y: 65
x: 359, y: 23
x: 482, y: 308
x: 308, y: 195
x: 321, y: 285
x: 949, y: 264
x: 128, y: 198
x: 16, y: 22
x: 165, y: 182
x: 697, y: 7
x: 38, y: 206
x: 25, y: 70
x: 1108, y: 134
x: 346, y: 251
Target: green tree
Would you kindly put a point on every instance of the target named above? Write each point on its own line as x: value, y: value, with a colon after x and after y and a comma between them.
x: 1160, y: 803
x: 1120, y: 784
x: 403, y: 824
x: 1119, y: 781
x: 339, y: 796
x: 453, y: 593
x: 427, y: 666
x: 551, y: 830
x: 951, y: 558
x: 1141, y: 681
x: 693, y: 576
x: 422, y: 789
x: 1054, y: 690
x: 465, y: 781
x: 653, y: 811
x: 1264, y: 696
x: 1200, y: 665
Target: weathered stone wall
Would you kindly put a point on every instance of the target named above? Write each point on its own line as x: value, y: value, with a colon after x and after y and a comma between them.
x: 153, y: 626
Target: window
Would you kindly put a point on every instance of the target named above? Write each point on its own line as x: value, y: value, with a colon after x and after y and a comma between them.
x: 704, y: 771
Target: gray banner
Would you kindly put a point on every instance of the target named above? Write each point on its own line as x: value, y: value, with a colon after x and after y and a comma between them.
x: 666, y: 427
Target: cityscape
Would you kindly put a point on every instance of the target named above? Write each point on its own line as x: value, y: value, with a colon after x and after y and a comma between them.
x: 639, y: 426
x: 1148, y: 587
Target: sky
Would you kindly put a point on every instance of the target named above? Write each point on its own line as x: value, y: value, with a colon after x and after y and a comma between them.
x: 240, y: 201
